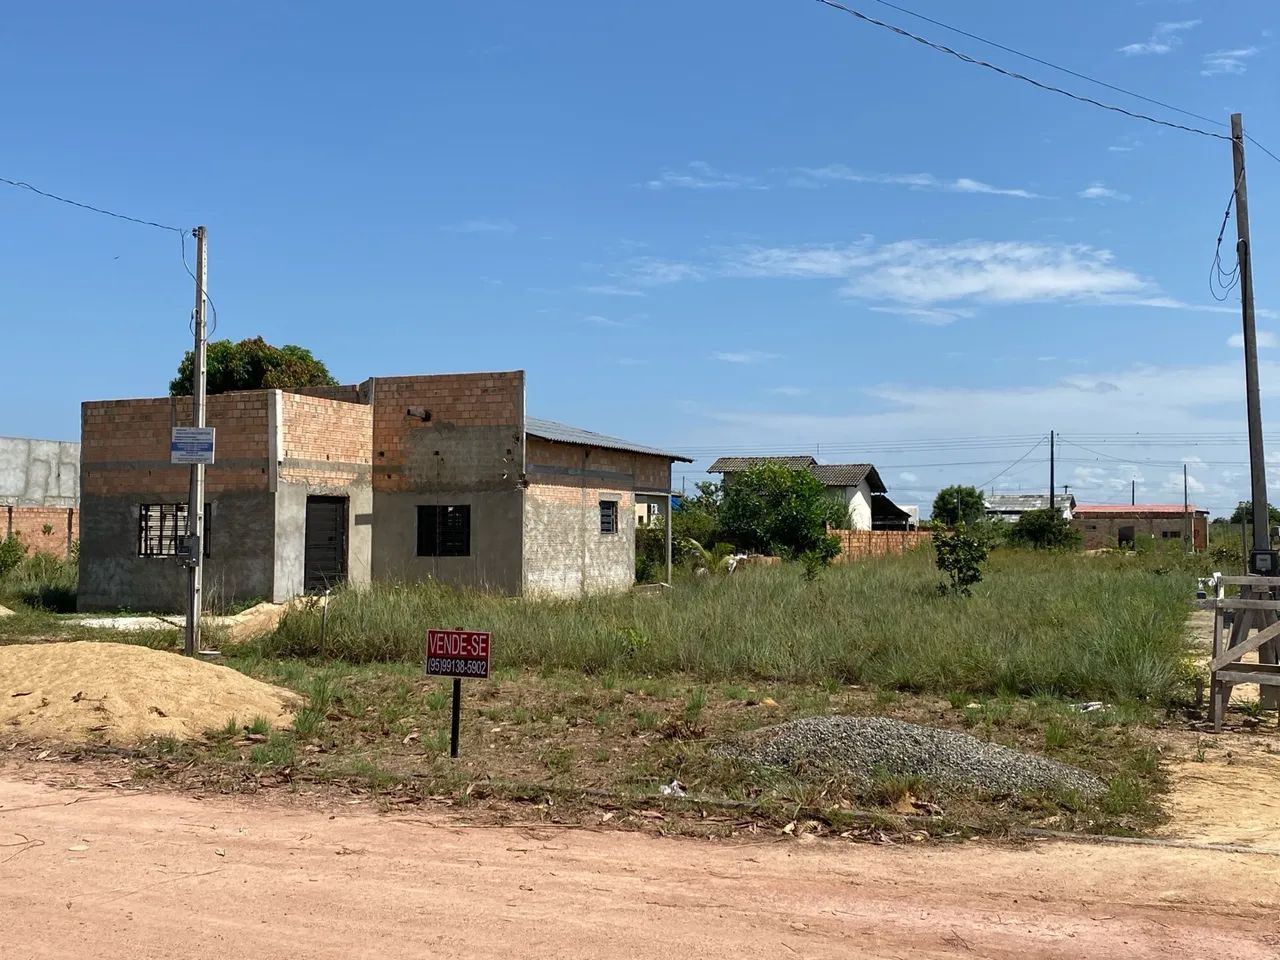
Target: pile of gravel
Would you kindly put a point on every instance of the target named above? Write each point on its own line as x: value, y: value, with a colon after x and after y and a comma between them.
x: 863, y: 747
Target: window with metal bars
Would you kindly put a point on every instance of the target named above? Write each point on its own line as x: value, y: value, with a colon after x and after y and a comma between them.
x: 608, y: 516
x: 444, y: 530
x: 162, y: 525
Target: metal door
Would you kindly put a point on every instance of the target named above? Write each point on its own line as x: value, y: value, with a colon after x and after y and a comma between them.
x: 325, y: 557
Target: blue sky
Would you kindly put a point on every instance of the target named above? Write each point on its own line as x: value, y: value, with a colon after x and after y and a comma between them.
x: 719, y: 226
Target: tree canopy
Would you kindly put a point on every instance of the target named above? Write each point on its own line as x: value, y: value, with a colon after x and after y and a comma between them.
x: 1044, y: 530
x: 774, y: 509
x: 252, y: 365
x: 1244, y: 512
x: 958, y: 504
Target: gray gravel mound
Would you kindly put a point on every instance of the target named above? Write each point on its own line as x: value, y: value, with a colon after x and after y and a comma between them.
x: 860, y: 747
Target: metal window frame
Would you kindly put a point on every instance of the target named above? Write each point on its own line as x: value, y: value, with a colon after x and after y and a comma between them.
x: 163, y: 543
x: 609, y: 509
x: 461, y: 547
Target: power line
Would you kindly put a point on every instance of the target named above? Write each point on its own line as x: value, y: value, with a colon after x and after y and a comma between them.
x: 1220, y: 279
x: 942, y: 48
x: 1053, y: 66
x: 23, y: 185
x: 1012, y: 465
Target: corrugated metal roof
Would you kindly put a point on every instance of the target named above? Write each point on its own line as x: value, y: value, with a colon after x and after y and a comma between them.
x: 738, y: 464
x: 1024, y: 502
x: 848, y: 475
x: 563, y: 433
x: 1124, y: 510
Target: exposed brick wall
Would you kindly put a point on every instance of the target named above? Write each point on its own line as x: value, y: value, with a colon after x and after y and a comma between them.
x: 1104, y: 531
x: 125, y: 444
x: 28, y: 525
x: 860, y: 544
x: 324, y: 442
x: 471, y: 440
x: 635, y: 471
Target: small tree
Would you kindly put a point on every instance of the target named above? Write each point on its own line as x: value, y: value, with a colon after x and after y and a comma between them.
x: 252, y: 365
x: 1244, y: 513
x: 1044, y: 530
x: 956, y: 504
x: 774, y: 509
x: 960, y: 556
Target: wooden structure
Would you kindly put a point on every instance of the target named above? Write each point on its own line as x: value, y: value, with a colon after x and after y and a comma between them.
x: 1257, y: 607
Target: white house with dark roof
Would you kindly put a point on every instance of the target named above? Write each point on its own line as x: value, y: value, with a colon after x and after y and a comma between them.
x: 858, y: 485
x: 1011, y: 506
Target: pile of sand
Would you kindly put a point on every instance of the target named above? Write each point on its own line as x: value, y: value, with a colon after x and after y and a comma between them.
x: 122, y: 693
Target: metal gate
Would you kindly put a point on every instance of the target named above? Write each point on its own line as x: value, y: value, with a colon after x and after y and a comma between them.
x: 325, y: 558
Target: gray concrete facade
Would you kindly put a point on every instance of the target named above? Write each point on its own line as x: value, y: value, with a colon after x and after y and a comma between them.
x: 39, y: 473
x: 113, y: 576
x: 290, y: 535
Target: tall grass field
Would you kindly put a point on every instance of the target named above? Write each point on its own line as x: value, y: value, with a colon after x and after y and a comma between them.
x: 1075, y: 626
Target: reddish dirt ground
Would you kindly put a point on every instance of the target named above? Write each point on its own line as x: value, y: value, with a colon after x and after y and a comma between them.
x: 97, y: 873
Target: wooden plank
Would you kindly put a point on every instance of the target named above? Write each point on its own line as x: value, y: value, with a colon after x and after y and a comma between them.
x: 1261, y: 679
x: 1260, y: 669
x: 1251, y: 581
x: 1248, y: 645
x: 1232, y: 603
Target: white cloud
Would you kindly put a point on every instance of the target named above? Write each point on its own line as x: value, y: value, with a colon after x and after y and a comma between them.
x: 596, y: 320
x: 481, y: 226
x: 908, y: 477
x: 700, y: 175
x: 652, y: 272
x: 1128, y: 145
x: 915, y: 181
x: 1100, y: 191
x: 1227, y: 62
x: 1164, y: 39
x: 931, y: 316
x: 790, y: 391
x: 743, y: 356
x: 612, y: 290
x: 1266, y: 339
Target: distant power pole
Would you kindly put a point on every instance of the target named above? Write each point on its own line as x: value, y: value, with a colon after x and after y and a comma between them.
x: 1133, y: 492
x: 195, y: 502
x: 1188, y: 534
x: 1257, y: 465
x: 1050, y: 469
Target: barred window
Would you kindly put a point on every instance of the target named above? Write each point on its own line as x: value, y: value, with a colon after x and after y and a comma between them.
x: 608, y: 516
x: 162, y: 525
x: 444, y: 531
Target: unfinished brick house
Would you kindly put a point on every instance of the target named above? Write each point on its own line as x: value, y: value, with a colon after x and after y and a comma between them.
x: 39, y: 494
x: 398, y: 478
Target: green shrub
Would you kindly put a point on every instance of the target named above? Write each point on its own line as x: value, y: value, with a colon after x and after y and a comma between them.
x: 960, y: 556
x: 12, y: 552
x: 1044, y: 530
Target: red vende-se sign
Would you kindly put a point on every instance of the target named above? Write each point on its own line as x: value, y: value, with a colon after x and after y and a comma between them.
x: 458, y: 653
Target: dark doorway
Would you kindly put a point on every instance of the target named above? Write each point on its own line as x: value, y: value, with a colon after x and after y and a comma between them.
x: 325, y: 557
x: 1127, y: 537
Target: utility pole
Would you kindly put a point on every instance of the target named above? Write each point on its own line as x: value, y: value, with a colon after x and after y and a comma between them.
x: 1257, y: 465
x: 1133, y: 492
x: 1051, y: 469
x: 195, y: 502
x: 1188, y: 534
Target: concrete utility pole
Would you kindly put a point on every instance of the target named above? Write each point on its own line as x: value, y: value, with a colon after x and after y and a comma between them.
x: 1188, y: 532
x: 195, y: 502
x: 1257, y: 465
x: 1051, y: 469
x: 1133, y: 493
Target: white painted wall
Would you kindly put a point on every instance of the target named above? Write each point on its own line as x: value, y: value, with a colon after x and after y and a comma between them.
x: 859, y: 500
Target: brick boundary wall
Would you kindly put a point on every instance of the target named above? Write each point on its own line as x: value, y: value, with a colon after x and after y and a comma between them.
x: 860, y: 544
x: 28, y: 524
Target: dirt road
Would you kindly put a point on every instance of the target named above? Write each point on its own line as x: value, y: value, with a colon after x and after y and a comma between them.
x: 95, y: 873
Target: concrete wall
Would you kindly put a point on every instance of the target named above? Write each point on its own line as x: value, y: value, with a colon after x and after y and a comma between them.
x: 43, y: 529
x: 452, y: 439
x: 858, y: 500
x: 291, y: 529
x: 39, y: 473
x: 1103, y: 531
x: 565, y: 554
x: 124, y: 463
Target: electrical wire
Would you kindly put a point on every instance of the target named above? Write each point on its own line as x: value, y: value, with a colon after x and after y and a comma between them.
x: 942, y: 48
x: 23, y: 185
x: 1053, y: 66
x: 1220, y: 279
x: 1038, y: 443
x: 213, y: 327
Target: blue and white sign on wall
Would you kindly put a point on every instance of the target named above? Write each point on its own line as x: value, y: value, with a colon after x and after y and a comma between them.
x: 191, y: 445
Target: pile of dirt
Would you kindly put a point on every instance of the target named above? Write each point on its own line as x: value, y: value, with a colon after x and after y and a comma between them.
x: 123, y: 693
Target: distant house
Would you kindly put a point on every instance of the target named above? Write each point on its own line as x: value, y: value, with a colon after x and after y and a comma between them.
x: 1108, y: 525
x: 1011, y: 506
x: 887, y: 515
x: 855, y: 484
